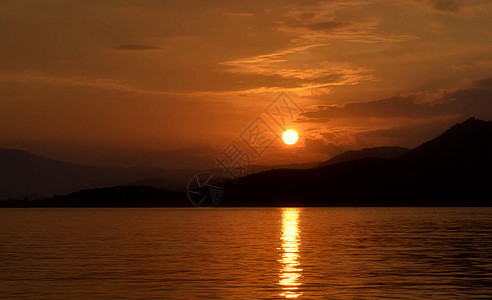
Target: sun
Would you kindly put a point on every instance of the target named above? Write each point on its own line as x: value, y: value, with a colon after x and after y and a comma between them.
x: 290, y: 137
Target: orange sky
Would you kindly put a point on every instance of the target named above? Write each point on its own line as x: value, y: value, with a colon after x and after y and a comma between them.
x: 171, y: 83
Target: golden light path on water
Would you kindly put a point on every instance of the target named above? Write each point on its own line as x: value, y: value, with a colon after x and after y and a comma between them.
x: 290, y: 272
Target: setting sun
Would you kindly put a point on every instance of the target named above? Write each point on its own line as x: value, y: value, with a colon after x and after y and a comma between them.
x: 290, y: 137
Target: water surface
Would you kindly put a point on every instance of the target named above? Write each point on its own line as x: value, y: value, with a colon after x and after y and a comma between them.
x: 238, y: 253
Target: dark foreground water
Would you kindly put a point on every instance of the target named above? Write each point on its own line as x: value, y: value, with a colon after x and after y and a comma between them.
x: 324, y: 253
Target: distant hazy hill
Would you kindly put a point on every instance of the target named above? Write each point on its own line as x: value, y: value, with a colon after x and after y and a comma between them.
x: 26, y: 175
x: 119, y: 196
x: 377, y: 152
x: 452, y: 169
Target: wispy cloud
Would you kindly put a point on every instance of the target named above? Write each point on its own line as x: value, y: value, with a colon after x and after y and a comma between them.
x: 238, y: 14
x: 309, y: 75
x: 116, y: 85
x: 46, y: 78
x: 354, y: 31
x: 323, y: 22
x: 136, y: 47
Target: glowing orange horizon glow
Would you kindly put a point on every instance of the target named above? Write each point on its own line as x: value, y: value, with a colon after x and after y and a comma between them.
x: 290, y: 272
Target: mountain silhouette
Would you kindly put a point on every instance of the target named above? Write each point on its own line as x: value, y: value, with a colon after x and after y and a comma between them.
x: 27, y: 176
x: 453, y: 169
x: 469, y: 142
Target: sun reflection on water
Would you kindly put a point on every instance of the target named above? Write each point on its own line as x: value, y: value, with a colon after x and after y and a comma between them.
x: 290, y: 273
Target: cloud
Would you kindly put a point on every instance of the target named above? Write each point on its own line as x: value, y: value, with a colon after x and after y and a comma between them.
x: 74, y: 81
x: 396, y: 106
x: 329, y: 143
x: 486, y: 83
x: 327, y: 25
x: 449, y: 6
x: 284, y: 66
x: 446, y: 5
x: 248, y: 84
x: 359, y: 32
x: 315, y: 26
x: 475, y: 101
x: 135, y: 47
x: 395, y: 121
x: 323, y: 22
x: 321, y: 146
x: 238, y: 14
x: 408, y: 134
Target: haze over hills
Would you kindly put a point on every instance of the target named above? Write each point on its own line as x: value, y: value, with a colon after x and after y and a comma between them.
x: 116, y: 196
x: 377, y: 152
x: 25, y: 175
x: 452, y: 169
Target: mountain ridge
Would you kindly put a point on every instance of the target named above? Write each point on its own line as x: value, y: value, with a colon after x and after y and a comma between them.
x: 388, y: 152
x: 24, y: 175
x: 416, y: 178
x: 453, y: 169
